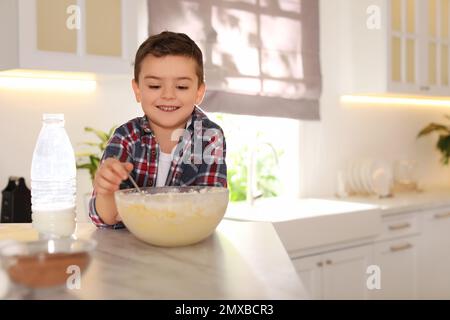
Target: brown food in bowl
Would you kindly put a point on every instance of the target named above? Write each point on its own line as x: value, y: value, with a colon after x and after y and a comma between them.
x: 45, y: 263
x: 45, y: 269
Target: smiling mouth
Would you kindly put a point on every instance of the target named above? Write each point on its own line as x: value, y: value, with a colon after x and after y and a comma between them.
x: 168, y: 108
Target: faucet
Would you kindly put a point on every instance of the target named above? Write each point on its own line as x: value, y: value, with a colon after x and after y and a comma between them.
x: 252, y: 179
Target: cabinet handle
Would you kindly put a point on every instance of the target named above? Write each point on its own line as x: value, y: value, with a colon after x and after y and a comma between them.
x: 400, y: 226
x: 401, y: 247
x: 442, y: 215
x: 319, y: 264
x: 328, y: 262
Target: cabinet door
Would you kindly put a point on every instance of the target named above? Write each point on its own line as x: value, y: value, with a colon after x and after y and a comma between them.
x: 434, y: 274
x: 309, y: 269
x: 105, y: 40
x: 435, y: 46
x: 344, y: 273
x: 397, y: 260
x: 52, y: 34
x: 404, y: 46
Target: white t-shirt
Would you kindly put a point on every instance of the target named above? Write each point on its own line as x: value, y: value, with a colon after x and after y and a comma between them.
x: 164, y: 162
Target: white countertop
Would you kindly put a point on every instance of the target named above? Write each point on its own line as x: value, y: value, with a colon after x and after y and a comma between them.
x: 306, y: 223
x: 286, y: 209
x: 239, y: 261
x: 314, y: 222
x: 407, y: 201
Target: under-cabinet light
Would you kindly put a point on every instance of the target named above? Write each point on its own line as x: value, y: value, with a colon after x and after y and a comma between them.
x: 47, y: 81
x: 396, y: 100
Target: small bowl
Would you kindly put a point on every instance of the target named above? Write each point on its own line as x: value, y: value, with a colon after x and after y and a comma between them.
x: 45, y: 263
x: 172, y: 216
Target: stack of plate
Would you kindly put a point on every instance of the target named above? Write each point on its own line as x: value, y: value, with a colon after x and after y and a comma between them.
x: 369, y: 176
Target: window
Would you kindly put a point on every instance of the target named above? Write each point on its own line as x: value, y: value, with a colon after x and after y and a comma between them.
x: 262, y: 70
x: 270, y: 146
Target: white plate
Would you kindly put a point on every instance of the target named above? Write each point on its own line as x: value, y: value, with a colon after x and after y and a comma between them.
x: 357, y: 176
x: 365, y: 174
x: 349, y: 176
x: 361, y: 176
x: 381, y: 177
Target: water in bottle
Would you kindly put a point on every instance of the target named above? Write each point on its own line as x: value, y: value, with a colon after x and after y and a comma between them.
x: 53, y: 180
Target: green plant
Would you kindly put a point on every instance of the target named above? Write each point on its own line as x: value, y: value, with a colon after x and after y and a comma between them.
x: 238, y: 153
x: 266, y: 166
x: 443, y: 143
x: 90, y: 160
x: 237, y: 175
x: 268, y: 184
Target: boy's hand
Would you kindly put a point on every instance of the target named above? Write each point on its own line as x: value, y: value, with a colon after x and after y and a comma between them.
x: 110, y: 174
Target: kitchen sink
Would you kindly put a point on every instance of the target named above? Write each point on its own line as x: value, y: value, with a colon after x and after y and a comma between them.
x: 307, y: 223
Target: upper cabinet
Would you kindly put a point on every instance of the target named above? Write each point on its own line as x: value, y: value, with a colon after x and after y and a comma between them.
x: 436, y: 46
x: 397, y: 46
x: 403, y: 44
x: 99, y: 36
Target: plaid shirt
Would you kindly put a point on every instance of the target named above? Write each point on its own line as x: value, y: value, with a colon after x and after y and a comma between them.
x: 135, y: 142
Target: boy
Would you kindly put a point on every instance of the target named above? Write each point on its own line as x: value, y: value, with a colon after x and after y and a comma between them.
x: 174, y: 143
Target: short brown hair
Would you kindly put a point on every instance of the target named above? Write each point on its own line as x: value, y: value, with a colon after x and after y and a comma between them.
x: 169, y: 43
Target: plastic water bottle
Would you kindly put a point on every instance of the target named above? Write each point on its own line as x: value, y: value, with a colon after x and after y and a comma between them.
x: 53, y: 180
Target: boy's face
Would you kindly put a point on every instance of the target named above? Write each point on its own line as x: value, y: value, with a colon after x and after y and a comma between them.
x: 168, y: 90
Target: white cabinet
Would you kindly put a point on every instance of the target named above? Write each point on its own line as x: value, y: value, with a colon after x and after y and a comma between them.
x: 344, y: 274
x: 435, y: 46
x: 398, y: 226
x: 404, y: 45
x: 309, y: 269
x: 397, y: 260
x: 397, y: 47
x: 71, y: 35
x: 410, y: 253
x: 434, y: 274
x: 395, y: 252
x: 336, y: 275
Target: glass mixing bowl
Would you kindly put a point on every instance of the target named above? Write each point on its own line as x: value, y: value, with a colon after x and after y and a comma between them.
x: 172, y: 216
x: 45, y: 264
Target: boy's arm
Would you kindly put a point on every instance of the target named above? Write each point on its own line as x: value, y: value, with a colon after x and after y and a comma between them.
x: 107, y: 209
x: 102, y: 206
x: 95, y: 216
x: 103, y: 211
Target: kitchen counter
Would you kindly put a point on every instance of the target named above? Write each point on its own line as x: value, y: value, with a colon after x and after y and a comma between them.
x: 306, y: 223
x: 406, y: 201
x: 239, y: 261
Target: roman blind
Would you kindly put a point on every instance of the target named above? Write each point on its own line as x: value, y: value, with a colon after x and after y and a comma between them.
x: 261, y: 57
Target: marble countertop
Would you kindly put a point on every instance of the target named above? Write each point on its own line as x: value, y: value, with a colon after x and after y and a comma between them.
x: 241, y: 260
